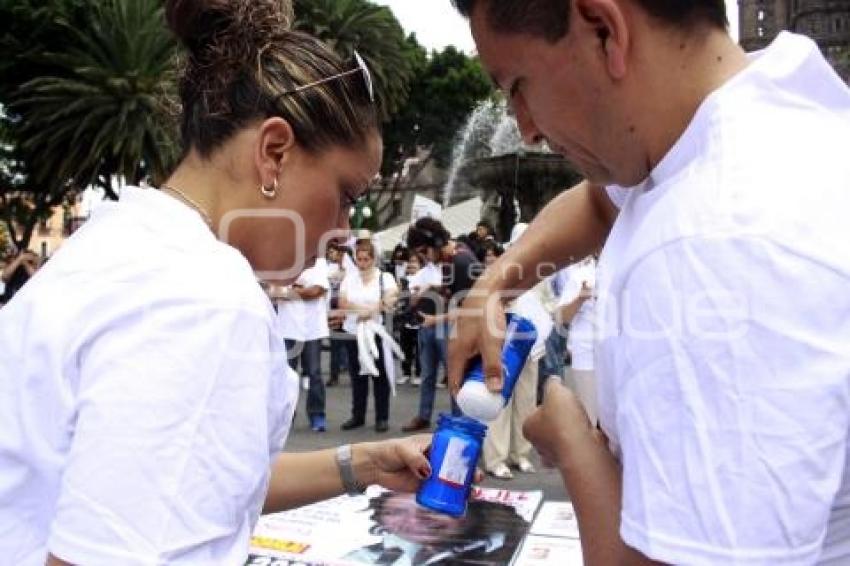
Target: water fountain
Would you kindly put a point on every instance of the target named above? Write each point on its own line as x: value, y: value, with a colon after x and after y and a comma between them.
x: 515, y: 180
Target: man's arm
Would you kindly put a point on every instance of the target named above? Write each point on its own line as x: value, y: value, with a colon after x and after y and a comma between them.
x: 570, y: 227
x: 310, y: 293
x: 562, y: 434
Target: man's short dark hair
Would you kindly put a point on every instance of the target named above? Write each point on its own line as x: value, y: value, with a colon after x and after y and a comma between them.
x: 427, y: 232
x: 550, y: 19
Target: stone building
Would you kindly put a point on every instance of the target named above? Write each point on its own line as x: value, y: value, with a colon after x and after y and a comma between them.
x: 825, y: 21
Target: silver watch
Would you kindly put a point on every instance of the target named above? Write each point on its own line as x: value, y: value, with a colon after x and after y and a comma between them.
x: 346, y: 472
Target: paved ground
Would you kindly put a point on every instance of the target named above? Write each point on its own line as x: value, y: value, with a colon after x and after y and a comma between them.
x: 402, y: 407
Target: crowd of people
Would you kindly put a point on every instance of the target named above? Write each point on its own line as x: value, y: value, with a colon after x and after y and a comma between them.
x: 412, y: 293
x: 15, y: 270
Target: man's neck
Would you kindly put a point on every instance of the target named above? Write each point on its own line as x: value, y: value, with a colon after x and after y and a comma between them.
x: 680, y: 73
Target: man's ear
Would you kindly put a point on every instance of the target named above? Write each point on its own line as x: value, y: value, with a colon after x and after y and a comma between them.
x: 608, y: 21
x: 275, y: 140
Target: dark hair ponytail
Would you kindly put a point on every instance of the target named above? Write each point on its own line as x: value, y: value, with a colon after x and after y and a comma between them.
x: 242, y: 57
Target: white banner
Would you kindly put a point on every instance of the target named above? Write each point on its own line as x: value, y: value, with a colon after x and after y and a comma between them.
x: 423, y: 206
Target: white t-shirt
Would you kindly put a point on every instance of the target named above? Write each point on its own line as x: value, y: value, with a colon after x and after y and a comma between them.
x: 724, y: 301
x: 529, y: 305
x: 580, y: 337
x: 359, y: 294
x: 307, y: 320
x: 142, y: 395
x: 430, y: 276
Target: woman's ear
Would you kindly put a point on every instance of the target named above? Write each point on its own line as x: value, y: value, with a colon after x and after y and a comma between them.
x: 275, y: 140
x: 607, y: 21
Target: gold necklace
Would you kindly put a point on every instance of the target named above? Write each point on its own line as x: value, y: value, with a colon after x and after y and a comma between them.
x: 185, y: 198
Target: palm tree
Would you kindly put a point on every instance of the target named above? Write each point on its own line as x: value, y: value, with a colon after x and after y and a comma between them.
x: 104, y: 110
x: 374, y: 32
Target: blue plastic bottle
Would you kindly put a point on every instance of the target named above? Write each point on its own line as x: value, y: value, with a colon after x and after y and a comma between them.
x: 474, y: 399
x: 455, y: 448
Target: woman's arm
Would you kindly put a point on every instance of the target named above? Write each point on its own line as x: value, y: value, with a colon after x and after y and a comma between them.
x: 362, y: 311
x: 301, y: 478
x: 310, y: 293
x: 566, y: 313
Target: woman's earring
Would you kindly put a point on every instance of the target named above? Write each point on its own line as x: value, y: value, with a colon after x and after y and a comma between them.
x: 269, y: 192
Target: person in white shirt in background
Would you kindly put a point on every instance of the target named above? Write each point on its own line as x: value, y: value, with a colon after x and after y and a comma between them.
x: 553, y: 362
x: 365, y: 295
x: 408, y: 320
x: 576, y: 307
x: 719, y: 184
x: 398, y: 263
x: 505, y: 445
x: 142, y: 414
x: 302, y: 314
x: 421, y: 287
x: 336, y: 273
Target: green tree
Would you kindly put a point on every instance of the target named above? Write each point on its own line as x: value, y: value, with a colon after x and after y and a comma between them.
x: 444, y: 92
x: 448, y: 85
x: 28, y: 29
x: 349, y: 25
x: 103, y: 112
x: 83, y: 84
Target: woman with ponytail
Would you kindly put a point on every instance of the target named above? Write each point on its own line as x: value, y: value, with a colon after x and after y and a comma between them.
x: 142, y: 413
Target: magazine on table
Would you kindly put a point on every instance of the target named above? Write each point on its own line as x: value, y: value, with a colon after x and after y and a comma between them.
x: 385, y: 527
x: 556, y: 519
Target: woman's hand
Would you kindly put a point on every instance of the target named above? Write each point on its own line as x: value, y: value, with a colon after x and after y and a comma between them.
x: 399, y: 464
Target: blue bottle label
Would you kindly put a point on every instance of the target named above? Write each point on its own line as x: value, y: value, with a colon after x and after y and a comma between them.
x: 456, y: 462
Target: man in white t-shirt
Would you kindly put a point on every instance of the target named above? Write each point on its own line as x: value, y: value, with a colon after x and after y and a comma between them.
x: 302, y: 314
x: 722, y: 356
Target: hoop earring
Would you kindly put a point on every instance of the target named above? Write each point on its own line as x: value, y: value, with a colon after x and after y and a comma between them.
x: 269, y: 193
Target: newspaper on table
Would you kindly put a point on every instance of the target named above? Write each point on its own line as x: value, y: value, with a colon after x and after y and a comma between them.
x: 550, y: 551
x: 556, y: 519
x: 384, y: 527
x: 553, y: 539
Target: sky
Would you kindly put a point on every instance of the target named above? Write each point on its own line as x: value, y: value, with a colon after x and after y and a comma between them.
x: 437, y: 24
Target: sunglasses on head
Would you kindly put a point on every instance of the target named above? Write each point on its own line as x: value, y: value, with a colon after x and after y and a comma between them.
x: 360, y: 68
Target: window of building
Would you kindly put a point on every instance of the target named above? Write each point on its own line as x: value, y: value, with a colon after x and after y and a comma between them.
x: 761, y: 15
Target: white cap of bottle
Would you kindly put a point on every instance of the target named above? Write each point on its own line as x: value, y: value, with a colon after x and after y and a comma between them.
x: 478, y: 402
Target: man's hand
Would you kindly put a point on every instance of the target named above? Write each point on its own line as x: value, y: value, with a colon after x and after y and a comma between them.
x: 559, y: 425
x: 479, y: 328
x: 399, y: 464
x: 428, y: 320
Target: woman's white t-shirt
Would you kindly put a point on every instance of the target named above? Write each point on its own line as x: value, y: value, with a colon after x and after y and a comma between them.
x: 357, y: 293
x: 143, y: 392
